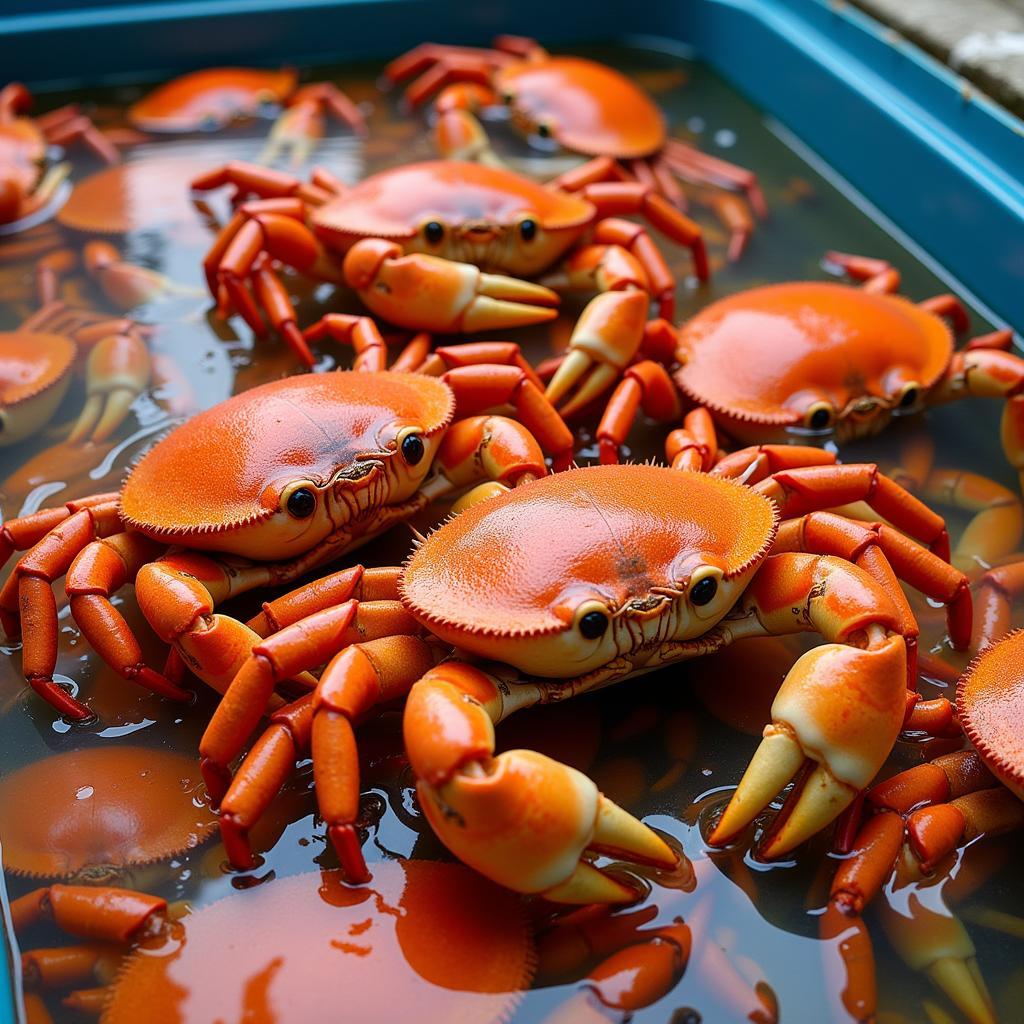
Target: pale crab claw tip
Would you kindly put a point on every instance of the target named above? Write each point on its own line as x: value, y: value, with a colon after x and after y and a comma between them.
x: 587, y: 884
x: 776, y: 760
x: 617, y: 830
x: 821, y: 800
x: 498, y: 286
x: 488, y: 314
x: 596, y: 384
x: 962, y: 981
x: 575, y: 364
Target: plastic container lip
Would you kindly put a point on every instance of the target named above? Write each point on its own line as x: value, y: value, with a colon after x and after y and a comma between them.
x: 820, y: 70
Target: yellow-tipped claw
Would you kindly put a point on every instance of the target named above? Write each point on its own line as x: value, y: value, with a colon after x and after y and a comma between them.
x: 117, y: 372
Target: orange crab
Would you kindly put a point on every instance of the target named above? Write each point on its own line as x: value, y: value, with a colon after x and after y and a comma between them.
x: 38, y: 359
x: 307, y: 468
x: 659, y: 566
x: 923, y: 815
x: 214, y: 97
x: 28, y: 194
x: 581, y: 105
x: 425, y: 246
x: 283, y: 951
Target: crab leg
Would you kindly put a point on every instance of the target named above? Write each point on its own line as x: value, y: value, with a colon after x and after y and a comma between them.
x: 644, y: 385
x: 997, y: 590
x: 301, y: 125
x: 842, y: 705
x: 91, y: 912
x: 695, y: 444
x: 424, y: 292
x: 520, y: 818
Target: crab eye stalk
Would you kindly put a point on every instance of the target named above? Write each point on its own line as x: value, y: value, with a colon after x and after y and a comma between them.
x: 820, y: 416
x: 433, y: 231
x: 909, y: 396
x: 413, y: 449
x: 593, y: 625
x: 704, y: 590
x: 528, y: 229
x: 301, y: 503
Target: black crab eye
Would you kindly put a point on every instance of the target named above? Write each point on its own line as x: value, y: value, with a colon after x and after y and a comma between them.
x: 301, y: 503
x: 593, y: 625
x: 413, y: 448
x: 528, y: 230
x: 704, y: 590
x: 819, y: 416
x: 433, y: 231
x: 909, y: 397
x: 544, y: 131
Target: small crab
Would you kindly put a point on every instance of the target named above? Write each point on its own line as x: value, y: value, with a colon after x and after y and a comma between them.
x: 425, y: 247
x: 38, y: 360
x: 286, y: 950
x: 29, y: 189
x: 259, y: 490
x: 923, y: 815
x: 659, y: 566
x: 582, y: 105
x: 214, y: 97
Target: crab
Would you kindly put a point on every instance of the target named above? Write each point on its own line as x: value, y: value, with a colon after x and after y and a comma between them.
x: 97, y: 816
x: 923, y: 815
x: 583, y: 106
x: 259, y: 490
x: 426, y: 246
x: 827, y: 360
x: 38, y: 360
x: 659, y: 566
x: 492, y: 951
x: 29, y: 190
x: 214, y: 97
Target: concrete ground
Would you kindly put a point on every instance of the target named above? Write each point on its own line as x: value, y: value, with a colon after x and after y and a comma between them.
x: 982, y: 40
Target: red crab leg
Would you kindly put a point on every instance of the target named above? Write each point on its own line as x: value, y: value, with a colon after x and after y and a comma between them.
x: 474, y: 353
x: 26, y: 532
x: 688, y: 160
x: 371, y: 353
x: 644, y: 385
x: 91, y: 912
x: 301, y: 125
x: 275, y: 659
x: 877, y: 275
x: 485, y: 808
x: 997, y: 590
x: 694, y: 445
x: 948, y: 306
x: 64, y: 130
x: 437, y: 65
x: 842, y: 704
x: 125, y: 284
x: 61, y: 967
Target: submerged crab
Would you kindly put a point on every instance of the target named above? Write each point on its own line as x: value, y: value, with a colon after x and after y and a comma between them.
x: 257, y: 491
x: 425, y: 246
x: 582, y: 105
x: 285, y: 950
x: 27, y: 186
x: 923, y: 815
x: 659, y: 566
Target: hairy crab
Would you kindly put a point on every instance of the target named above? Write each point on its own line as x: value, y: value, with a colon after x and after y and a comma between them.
x: 28, y: 187
x: 920, y: 817
x: 426, y: 246
x: 224, y: 959
x: 214, y: 97
x: 659, y: 566
x: 257, y: 491
x: 583, y: 106
x: 38, y: 360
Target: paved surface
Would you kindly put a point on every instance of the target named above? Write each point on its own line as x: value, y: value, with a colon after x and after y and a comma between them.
x: 983, y: 40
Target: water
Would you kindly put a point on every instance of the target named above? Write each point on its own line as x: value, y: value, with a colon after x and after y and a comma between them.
x: 660, y: 745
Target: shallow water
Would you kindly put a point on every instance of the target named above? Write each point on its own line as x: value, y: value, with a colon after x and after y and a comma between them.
x: 658, y: 744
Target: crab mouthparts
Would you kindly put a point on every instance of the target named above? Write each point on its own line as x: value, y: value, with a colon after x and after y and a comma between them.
x: 479, y: 233
x: 357, y: 472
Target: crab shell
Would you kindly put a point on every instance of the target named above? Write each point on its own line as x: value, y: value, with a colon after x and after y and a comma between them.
x: 92, y: 814
x: 35, y: 370
x: 221, y: 481
x: 760, y: 360
x: 585, y: 106
x: 990, y: 705
x: 480, y: 208
x: 510, y: 578
x: 132, y: 196
x: 425, y: 942
x: 210, y: 98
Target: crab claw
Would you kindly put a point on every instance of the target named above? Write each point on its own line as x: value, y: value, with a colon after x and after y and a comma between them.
x: 607, y: 336
x: 428, y: 293
x: 840, y: 708
x: 525, y: 821
x: 125, y: 284
x: 117, y: 372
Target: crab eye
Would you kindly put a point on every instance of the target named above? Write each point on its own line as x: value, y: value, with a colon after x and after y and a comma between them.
x: 703, y: 590
x: 819, y: 416
x: 528, y: 229
x: 593, y: 625
x: 909, y: 396
x: 301, y: 503
x: 544, y: 130
x: 433, y: 231
x: 508, y: 98
x: 413, y: 448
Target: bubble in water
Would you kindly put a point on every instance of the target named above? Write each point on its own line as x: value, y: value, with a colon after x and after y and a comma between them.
x: 84, y: 792
x: 725, y: 137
